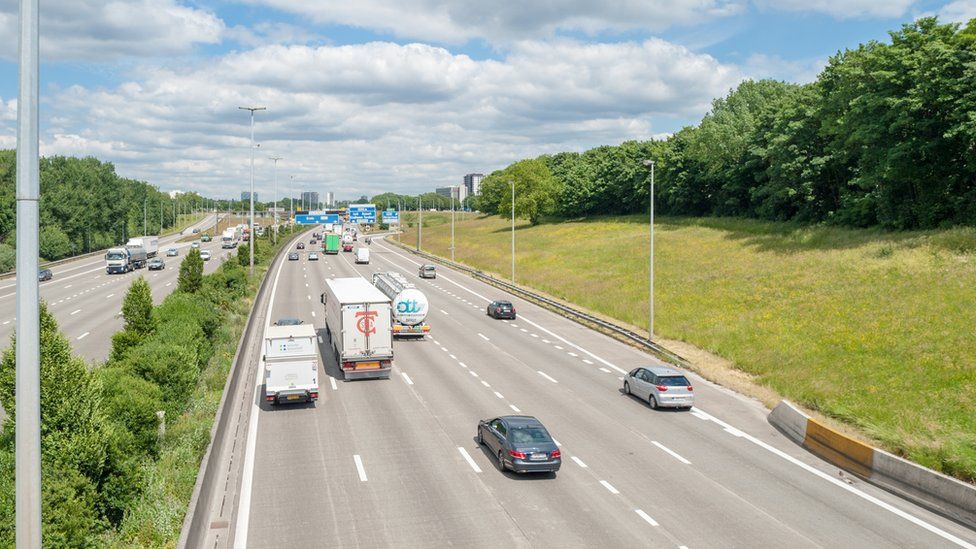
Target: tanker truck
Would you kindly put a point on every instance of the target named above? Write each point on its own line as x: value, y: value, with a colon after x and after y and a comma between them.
x: 409, y: 304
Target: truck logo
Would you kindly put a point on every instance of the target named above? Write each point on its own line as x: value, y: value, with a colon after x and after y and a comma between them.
x: 408, y: 306
x: 365, y: 322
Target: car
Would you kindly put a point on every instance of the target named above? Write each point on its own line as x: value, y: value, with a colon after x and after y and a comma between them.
x: 205, y: 238
x: 501, y: 309
x: 293, y: 256
x: 288, y: 321
x: 195, y: 245
x: 172, y: 252
x: 312, y: 256
x: 156, y: 264
x: 301, y: 246
x: 195, y: 231
x: 205, y: 255
x: 520, y: 443
x: 44, y: 274
x: 427, y: 271
x: 661, y: 387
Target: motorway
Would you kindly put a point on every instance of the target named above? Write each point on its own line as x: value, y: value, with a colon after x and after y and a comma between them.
x: 395, y: 463
x: 87, y: 302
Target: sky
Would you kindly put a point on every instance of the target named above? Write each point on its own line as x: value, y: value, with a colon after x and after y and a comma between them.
x: 403, y: 96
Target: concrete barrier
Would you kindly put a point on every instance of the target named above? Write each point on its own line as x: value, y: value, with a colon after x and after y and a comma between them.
x: 930, y: 489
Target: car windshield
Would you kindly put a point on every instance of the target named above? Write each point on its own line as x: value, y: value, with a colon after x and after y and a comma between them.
x: 505, y: 306
x: 115, y: 255
x: 288, y: 322
x: 529, y: 435
x: 673, y: 381
x: 429, y: 268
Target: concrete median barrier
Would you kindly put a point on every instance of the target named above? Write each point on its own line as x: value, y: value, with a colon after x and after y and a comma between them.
x: 930, y: 489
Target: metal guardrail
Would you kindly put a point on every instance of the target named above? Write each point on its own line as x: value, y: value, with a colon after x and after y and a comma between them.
x: 569, y: 312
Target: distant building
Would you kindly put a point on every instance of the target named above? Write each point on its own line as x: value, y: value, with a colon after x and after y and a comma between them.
x: 246, y: 197
x: 444, y: 191
x: 457, y: 193
x: 310, y: 199
x: 329, y: 199
x: 472, y: 183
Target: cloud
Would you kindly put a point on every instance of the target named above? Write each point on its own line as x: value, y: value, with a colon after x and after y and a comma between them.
x: 373, y: 117
x: 842, y: 9
x: 960, y: 11
x: 802, y: 71
x: 95, y: 30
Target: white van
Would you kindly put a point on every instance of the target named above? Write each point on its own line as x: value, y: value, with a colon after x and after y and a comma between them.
x: 362, y: 255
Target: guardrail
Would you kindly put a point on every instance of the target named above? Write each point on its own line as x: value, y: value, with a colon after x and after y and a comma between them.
x: 194, y: 528
x: 572, y: 313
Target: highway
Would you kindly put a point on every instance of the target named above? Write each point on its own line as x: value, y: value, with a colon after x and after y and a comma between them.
x: 87, y: 302
x: 395, y: 463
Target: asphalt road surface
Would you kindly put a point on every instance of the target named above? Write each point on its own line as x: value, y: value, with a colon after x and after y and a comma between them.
x: 87, y: 302
x: 395, y: 463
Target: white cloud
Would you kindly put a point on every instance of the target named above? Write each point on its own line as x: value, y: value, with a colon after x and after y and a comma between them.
x: 960, y: 11
x: 843, y: 9
x: 94, y: 30
x: 373, y: 117
x: 801, y: 71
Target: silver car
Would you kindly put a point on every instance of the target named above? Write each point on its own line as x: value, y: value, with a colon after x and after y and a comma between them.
x: 661, y: 387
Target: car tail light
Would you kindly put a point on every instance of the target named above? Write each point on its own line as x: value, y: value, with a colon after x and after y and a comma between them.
x: 386, y: 363
x: 690, y: 388
x: 348, y: 365
x: 662, y: 388
x: 269, y: 398
x: 426, y: 328
x: 516, y: 454
x: 315, y: 396
x: 498, y: 310
x: 556, y: 454
x: 397, y: 328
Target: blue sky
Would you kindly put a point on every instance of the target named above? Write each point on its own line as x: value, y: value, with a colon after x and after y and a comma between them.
x: 405, y: 95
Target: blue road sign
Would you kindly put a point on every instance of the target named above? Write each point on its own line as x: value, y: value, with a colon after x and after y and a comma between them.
x: 320, y: 219
x: 362, y: 213
x: 391, y: 217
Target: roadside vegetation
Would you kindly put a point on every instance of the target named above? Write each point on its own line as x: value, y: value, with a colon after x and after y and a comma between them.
x: 869, y: 327
x: 112, y: 477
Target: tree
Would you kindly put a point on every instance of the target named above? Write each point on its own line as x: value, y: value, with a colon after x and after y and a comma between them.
x: 137, y: 308
x: 191, y: 272
x: 53, y: 242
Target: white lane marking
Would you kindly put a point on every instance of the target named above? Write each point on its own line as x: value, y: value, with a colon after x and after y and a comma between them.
x: 68, y: 286
x: 604, y: 370
x: 647, y: 517
x: 82, y: 336
x: 334, y: 386
x: 453, y: 357
x: 306, y: 284
x: 168, y: 284
x: 674, y: 454
x: 499, y: 395
x: 473, y: 373
x: 313, y: 313
x: 547, y: 376
x: 571, y: 354
x: 609, y: 487
x: 699, y: 415
x: 443, y: 311
x: 578, y: 461
x: 515, y: 408
x: 406, y: 378
x: 534, y: 335
x: 75, y: 312
x: 485, y: 383
x: 557, y: 443
x: 463, y: 365
x: 546, y: 341
x: 435, y: 341
x: 464, y: 454
x: 444, y: 349
x: 359, y: 467
x: 524, y: 330
x: 483, y: 336
x: 5, y: 322
x: 558, y: 347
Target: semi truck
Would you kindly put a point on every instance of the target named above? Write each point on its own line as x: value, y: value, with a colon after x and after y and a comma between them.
x: 228, y: 239
x: 148, y: 243
x: 291, y: 364
x: 123, y: 260
x: 331, y: 243
x: 410, y: 305
x: 358, y: 320
x: 347, y: 242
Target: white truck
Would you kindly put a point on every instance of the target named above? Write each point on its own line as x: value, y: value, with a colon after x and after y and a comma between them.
x: 123, y: 260
x: 362, y: 255
x: 148, y: 243
x: 228, y: 239
x: 291, y: 364
x: 359, y: 321
x: 410, y: 305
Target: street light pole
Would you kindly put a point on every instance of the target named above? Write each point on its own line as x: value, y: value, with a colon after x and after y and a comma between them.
x: 145, y: 225
x: 512, y: 182
x: 250, y: 240
x: 452, y: 225
x: 420, y: 221
x: 275, y: 204
x: 650, y: 295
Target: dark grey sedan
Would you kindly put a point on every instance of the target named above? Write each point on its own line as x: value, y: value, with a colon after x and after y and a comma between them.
x: 45, y: 274
x: 520, y: 443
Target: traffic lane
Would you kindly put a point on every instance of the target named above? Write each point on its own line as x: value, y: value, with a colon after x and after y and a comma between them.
x: 406, y: 501
x: 574, y: 509
x: 790, y: 472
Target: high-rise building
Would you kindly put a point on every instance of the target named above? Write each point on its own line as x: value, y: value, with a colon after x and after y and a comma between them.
x: 457, y: 193
x: 329, y: 199
x: 310, y: 199
x: 444, y: 191
x: 472, y: 182
x: 246, y: 197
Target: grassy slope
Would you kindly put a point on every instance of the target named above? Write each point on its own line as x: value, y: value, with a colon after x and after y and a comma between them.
x: 875, y: 329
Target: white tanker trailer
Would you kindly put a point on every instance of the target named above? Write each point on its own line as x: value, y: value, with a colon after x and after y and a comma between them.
x: 409, y: 304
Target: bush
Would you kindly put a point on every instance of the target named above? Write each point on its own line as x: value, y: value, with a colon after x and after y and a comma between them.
x: 171, y: 366
x: 132, y: 403
x: 8, y: 256
x: 122, y: 342
x: 137, y: 308
x: 184, y: 308
x: 191, y: 272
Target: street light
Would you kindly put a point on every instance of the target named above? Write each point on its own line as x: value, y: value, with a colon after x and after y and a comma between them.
x: 512, y: 183
x: 420, y: 220
x: 251, y: 227
x: 275, y: 203
x: 452, y: 224
x: 650, y: 294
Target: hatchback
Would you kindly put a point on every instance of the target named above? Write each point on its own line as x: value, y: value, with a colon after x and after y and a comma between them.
x: 195, y: 245
x: 661, y: 387
x: 45, y: 274
x: 205, y: 255
x: 301, y: 246
x: 172, y: 252
x: 501, y: 309
x: 428, y: 271
x: 312, y: 256
x: 156, y: 264
x: 293, y: 256
x: 520, y: 443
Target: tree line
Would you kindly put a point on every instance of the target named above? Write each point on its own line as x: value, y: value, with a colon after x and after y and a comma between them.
x: 886, y: 136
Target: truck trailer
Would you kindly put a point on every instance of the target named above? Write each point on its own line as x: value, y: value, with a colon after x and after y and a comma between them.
x: 291, y: 364
x: 358, y: 319
x: 409, y: 304
x: 148, y: 243
x: 331, y: 243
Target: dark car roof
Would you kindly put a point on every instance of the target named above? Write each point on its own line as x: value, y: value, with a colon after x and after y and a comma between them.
x: 521, y: 421
x: 502, y: 302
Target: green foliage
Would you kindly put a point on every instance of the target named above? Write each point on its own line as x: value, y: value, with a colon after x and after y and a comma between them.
x: 536, y: 190
x: 132, y: 403
x: 191, y: 272
x: 137, y: 308
x: 122, y: 341
x: 8, y: 256
x: 53, y: 243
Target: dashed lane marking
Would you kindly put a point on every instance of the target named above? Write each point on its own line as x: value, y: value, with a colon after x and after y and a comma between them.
x: 609, y: 487
x: 547, y: 376
x: 467, y: 457
x: 647, y: 518
x: 359, y: 467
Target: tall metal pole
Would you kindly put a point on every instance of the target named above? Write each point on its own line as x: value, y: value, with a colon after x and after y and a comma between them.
x: 650, y: 295
x: 452, y: 225
x: 512, y: 182
x: 275, y: 204
x: 160, y: 215
x: 250, y: 228
x: 27, y: 483
x: 420, y: 221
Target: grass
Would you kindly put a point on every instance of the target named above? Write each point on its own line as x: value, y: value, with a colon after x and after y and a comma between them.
x: 870, y: 328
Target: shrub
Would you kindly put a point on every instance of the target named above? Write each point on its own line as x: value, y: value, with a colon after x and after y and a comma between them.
x: 137, y: 308
x: 132, y: 403
x: 122, y: 342
x: 191, y: 272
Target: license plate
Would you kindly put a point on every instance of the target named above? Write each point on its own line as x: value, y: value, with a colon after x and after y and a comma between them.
x: 367, y: 365
x: 293, y: 397
x: 538, y: 457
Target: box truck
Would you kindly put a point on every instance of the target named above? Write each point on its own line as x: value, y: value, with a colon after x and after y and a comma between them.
x: 331, y: 243
x: 291, y: 364
x: 409, y: 304
x: 228, y: 239
x: 358, y: 320
x: 148, y: 243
